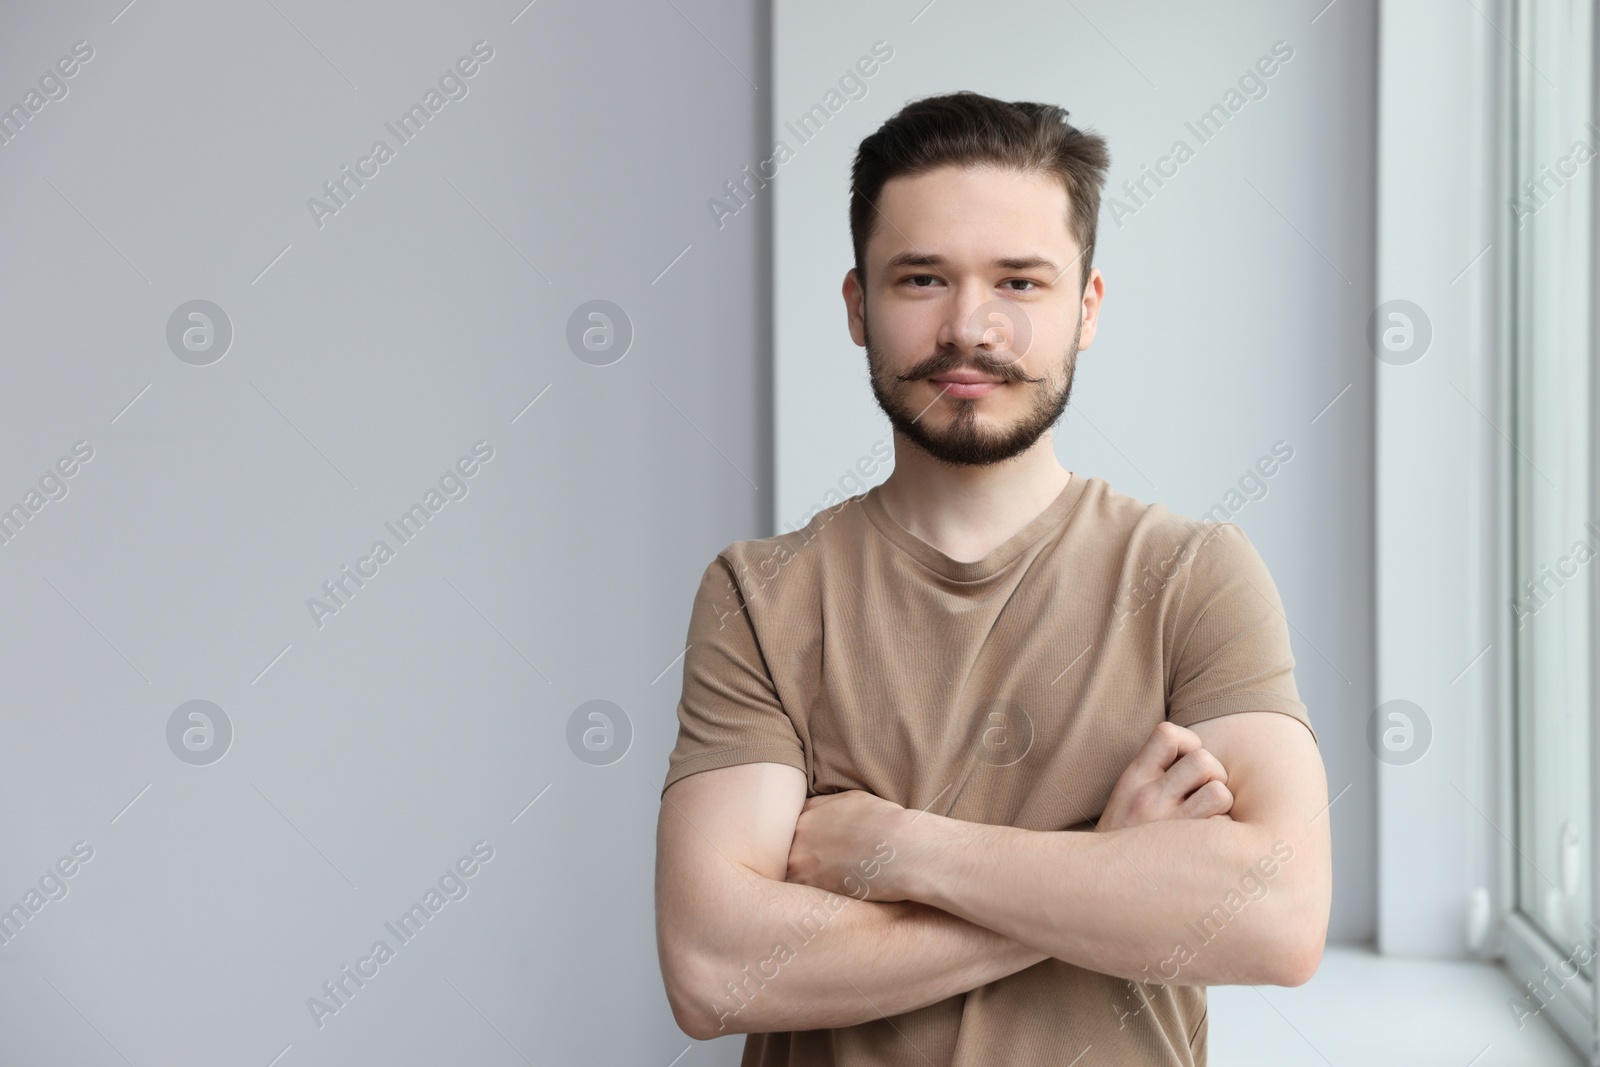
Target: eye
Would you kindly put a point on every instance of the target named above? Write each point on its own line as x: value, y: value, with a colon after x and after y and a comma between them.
x: 1023, y: 281
x: 912, y: 278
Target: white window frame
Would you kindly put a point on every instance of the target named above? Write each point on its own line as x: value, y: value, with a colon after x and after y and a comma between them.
x: 1570, y: 1003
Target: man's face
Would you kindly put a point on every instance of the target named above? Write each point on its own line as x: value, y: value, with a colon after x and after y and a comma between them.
x: 972, y: 273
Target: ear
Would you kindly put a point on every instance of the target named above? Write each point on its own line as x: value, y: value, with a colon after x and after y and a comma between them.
x: 854, y: 300
x: 1094, y: 291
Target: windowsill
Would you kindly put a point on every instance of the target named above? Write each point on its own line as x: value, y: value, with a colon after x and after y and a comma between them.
x: 1363, y: 1008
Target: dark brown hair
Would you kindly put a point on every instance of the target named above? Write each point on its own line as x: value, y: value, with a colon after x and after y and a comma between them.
x: 970, y: 129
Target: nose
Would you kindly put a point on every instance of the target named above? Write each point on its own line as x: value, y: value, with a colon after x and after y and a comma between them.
x: 980, y: 323
x: 967, y: 325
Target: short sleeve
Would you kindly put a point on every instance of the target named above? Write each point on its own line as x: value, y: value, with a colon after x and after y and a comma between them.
x: 1229, y: 645
x: 729, y: 712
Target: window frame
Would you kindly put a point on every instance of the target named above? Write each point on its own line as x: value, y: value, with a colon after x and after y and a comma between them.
x: 1529, y: 953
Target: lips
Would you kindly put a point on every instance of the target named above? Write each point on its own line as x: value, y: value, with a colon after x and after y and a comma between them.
x: 966, y: 378
x: 964, y: 388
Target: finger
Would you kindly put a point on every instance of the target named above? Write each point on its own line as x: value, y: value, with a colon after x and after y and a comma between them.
x: 1209, y: 800
x: 1167, y: 743
x: 1190, y: 773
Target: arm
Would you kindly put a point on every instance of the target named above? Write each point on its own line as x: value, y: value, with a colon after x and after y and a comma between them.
x: 742, y: 950
x: 1205, y: 901
x: 724, y: 840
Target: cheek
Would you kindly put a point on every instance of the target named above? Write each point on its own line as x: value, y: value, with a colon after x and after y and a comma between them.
x: 901, y: 308
x: 906, y: 332
x: 1048, y: 346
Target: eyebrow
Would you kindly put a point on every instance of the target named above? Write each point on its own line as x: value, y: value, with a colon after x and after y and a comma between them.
x: 914, y: 258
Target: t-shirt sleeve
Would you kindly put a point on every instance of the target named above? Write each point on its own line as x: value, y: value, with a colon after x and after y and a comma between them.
x: 729, y: 712
x: 1230, y: 637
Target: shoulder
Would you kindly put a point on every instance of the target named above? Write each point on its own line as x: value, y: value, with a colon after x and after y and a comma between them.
x: 789, y: 564
x: 1148, y: 533
x: 1165, y: 559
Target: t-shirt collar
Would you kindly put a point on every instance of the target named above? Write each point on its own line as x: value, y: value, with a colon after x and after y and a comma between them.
x: 999, y: 558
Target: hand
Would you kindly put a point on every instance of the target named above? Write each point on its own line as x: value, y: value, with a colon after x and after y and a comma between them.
x: 1172, y: 777
x: 844, y: 843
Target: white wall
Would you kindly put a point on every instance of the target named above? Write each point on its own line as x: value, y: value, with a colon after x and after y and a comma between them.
x: 1446, y: 822
x: 1237, y: 295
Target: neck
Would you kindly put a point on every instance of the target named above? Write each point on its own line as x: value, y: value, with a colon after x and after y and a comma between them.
x: 965, y: 512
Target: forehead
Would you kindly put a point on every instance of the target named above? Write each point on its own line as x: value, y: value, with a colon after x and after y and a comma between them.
x: 977, y: 210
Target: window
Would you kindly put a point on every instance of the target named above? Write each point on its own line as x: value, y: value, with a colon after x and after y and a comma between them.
x: 1554, y: 538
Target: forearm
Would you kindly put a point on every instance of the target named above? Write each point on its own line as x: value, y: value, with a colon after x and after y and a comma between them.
x: 793, y: 957
x: 1186, y: 902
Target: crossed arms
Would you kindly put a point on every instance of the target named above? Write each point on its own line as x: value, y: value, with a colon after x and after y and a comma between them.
x: 1210, y: 865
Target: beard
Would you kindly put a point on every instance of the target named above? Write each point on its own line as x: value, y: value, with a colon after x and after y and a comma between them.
x: 963, y: 442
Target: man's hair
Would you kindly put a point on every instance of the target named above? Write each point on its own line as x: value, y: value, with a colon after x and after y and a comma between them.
x: 969, y: 129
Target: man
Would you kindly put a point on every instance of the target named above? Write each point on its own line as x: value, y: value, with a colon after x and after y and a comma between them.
x: 990, y: 764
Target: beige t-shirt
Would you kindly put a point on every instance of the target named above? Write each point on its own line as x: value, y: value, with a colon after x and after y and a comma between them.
x: 1011, y: 690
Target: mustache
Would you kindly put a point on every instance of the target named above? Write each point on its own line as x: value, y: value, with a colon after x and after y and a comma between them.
x: 945, y: 363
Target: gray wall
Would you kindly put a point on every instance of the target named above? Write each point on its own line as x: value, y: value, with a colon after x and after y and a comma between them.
x: 368, y: 754
x: 1237, y: 294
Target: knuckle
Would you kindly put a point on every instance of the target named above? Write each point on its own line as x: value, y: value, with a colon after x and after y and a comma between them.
x: 1169, y: 731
